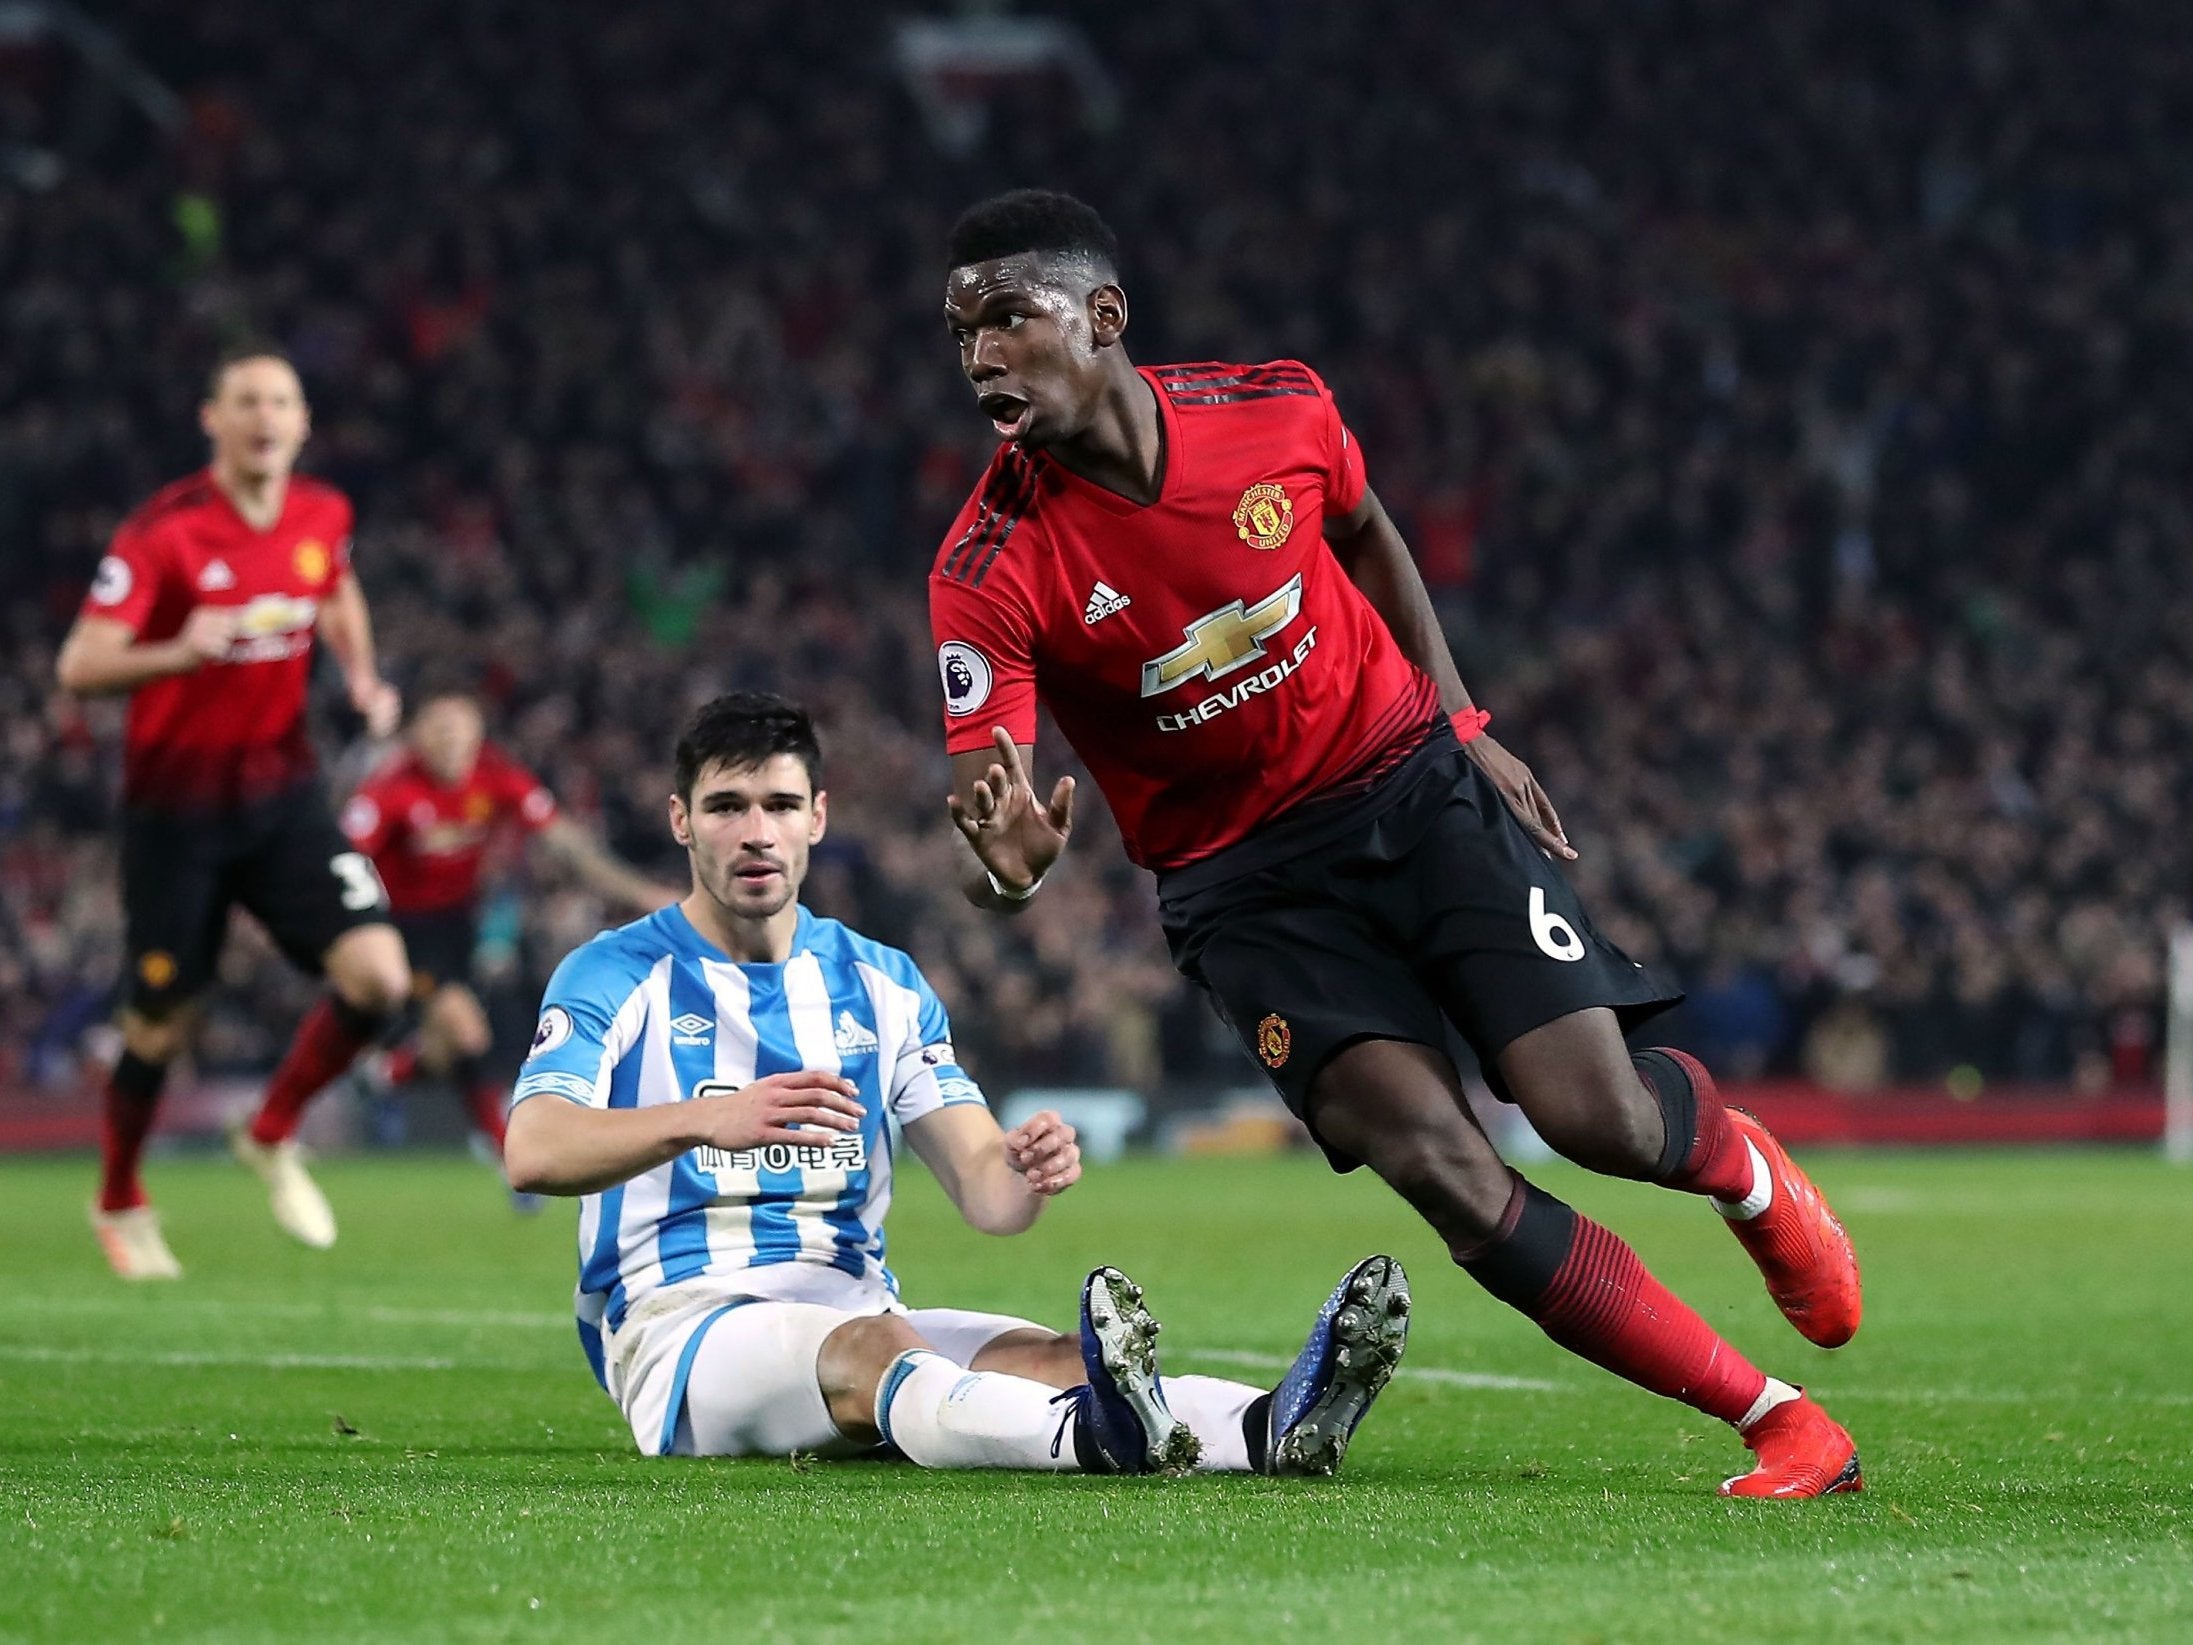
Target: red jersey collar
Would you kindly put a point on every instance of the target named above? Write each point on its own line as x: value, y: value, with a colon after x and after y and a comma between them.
x: 1168, y: 484
x: 289, y: 497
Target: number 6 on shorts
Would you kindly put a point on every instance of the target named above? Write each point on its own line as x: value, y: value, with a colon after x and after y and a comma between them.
x: 1556, y: 938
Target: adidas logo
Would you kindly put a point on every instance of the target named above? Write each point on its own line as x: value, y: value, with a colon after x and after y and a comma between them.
x: 216, y: 576
x: 851, y: 1037
x: 690, y: 1029
x: 1104, y: 600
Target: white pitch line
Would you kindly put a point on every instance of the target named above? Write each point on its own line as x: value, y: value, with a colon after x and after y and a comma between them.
x: 136, y: 1306
x: 1419, y: 1373
x: 1994, y: 1396
x: 371, y: 1314
x: 254, y: 1362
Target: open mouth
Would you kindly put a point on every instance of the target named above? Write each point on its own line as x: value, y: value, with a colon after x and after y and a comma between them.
x: 755, y: 873
x: 1009, y: 414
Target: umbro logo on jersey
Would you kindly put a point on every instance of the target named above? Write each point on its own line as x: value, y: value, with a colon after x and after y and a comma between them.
x: 1104, y: 601
x: 690, y: 1029
x: 852, y: 1036
x: 216, y: 576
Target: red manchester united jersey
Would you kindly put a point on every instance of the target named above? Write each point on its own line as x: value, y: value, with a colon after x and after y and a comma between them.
x: 428, y: 839
x: 1206, y: 655
x: 234, y: 730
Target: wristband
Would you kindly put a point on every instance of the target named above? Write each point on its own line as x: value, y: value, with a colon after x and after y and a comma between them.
x: 1022, y: 895
x: 1469, y: 723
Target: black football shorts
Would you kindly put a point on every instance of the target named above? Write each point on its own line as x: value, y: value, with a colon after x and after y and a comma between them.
x: 1432, y: 907
x: 282, y: 859
x: 439, y: 943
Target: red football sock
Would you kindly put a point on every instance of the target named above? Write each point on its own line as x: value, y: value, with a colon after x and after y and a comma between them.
x: 1605, y: 1306
x: 1587, y: 1291
x: 485, y: 1099
x: 327, y: 1042
x: 131, y: 1100
x: 1704, y: 1154
x: 403, y: 1064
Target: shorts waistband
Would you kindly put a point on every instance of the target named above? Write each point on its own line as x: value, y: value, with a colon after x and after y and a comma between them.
x: 1316, y: 822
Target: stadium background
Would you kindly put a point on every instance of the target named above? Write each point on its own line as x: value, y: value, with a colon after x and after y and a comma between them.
x: 1787, y: 405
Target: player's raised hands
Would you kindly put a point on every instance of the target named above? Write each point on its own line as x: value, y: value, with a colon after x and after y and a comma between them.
x: 1525, y: 798
x: 773, y: 1109
x: 1014, y: 835
x: 1044, y: 1151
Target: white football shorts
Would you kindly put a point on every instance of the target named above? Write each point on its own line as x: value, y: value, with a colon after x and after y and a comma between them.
x: 717, y: 1375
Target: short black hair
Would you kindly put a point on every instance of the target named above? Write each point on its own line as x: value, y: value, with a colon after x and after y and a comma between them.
x: 441, y: 679
x: 237, y: 352
x: 746, y: 728
x: 1032, y: 219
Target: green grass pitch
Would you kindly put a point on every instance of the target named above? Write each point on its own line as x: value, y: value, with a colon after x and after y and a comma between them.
x: 398, y: 1439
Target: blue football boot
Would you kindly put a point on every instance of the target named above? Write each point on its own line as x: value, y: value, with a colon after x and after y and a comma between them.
x: 1122, y: 1410
x: 1351, y: 1353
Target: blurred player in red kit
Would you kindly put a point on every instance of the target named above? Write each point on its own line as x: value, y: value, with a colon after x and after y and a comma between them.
x: 427, y: 817
x: 205, y: 612
x: 1186, y: 565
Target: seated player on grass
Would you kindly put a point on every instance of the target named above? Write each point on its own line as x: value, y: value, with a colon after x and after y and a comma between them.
x: 716, y: 1080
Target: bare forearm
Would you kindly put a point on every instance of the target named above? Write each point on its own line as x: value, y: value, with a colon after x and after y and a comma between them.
x: 1378, y: 562
x: 601, y: 872
x: 994, y: 1199
x: 347, y: 626
x: 558, y: 1147
x: 104, y: 671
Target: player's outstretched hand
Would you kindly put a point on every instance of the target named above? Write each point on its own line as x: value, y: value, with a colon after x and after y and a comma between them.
x: 381, y: 705
x: 1016, y: 837
x: 773, y: 1109
x: 1525, y: 798
x: 1043, y: 1150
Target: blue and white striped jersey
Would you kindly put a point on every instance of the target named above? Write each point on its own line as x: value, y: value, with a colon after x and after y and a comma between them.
x: 654, y: 1012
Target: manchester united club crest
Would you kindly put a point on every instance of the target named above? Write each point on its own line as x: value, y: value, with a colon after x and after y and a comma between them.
x: 313, y: 561
x: 1274, y: 1039
x: 1264, y: 516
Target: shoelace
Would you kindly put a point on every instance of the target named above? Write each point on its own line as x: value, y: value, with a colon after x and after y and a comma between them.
x: 1073, y: 1399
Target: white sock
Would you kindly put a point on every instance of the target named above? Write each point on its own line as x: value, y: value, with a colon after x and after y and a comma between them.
x: 943, y: 1416
x: 1212, y: 1408
x: 1762, y: 1189
x: 1773, y: 1394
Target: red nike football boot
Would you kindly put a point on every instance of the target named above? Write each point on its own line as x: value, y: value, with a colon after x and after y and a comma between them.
x: 1802, y: 1452
x: 1800, y: 1246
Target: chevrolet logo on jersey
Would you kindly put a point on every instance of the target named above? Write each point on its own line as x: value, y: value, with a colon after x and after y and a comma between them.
x: 1227, y: 639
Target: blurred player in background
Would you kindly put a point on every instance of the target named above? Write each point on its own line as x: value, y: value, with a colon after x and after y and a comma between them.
x: 427, y: 816
x: 718, y: 1080
x: 205, y: 611
x: 1189, y: 565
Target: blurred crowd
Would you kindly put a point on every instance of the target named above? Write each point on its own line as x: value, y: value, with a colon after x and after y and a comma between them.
x: 1787, y: 405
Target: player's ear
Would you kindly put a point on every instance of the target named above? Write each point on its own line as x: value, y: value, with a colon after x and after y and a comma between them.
x: 681, y: 828
x: 821, y: 824
x: 1107, y: 314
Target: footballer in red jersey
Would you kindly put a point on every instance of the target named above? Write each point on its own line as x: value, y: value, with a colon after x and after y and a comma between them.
x: 427, y: 817
x: 1186, y: 565
x: 206, y: 611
